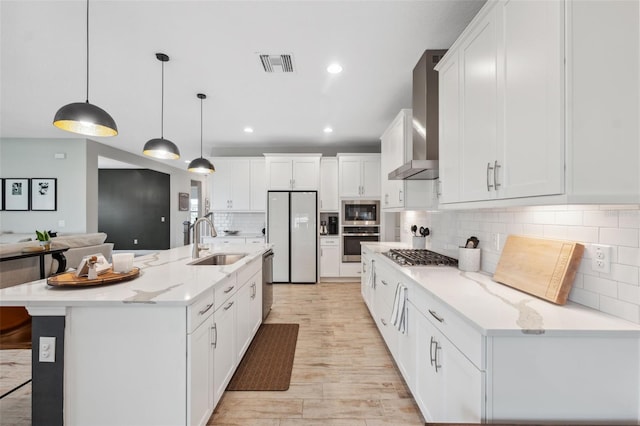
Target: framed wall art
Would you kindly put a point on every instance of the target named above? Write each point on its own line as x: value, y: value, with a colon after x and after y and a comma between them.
x: 44, y: 194
x: 183, y: 201
x: 16, y: 194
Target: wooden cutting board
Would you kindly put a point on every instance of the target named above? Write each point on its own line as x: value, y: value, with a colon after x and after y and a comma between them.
x: 541, y: 267
x: 69, y: 279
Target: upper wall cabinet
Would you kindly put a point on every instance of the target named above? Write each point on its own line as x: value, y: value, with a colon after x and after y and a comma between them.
x: 238, y: 184
x: 395, y: 147
x: 359, y: 175
x: 503, y: 134
x: 293, y: 172
x: 329, y: 201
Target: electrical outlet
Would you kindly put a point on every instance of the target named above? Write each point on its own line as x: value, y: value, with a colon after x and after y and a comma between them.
x: 47, y: 349
x: 135, y: 241
x: 601, y: 258
x: 61, y: 223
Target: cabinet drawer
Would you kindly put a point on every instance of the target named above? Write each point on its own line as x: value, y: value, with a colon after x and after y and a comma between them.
x: 224, y: 290
x: 329, y: 241
x: 200, y: 311
x: 466, y: 338
x: 248, y: 271
x: 386, y: 283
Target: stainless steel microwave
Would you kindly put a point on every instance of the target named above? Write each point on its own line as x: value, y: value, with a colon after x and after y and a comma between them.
x: 360, y: 212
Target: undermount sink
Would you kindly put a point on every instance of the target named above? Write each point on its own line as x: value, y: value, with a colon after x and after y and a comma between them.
x: 219, y: 259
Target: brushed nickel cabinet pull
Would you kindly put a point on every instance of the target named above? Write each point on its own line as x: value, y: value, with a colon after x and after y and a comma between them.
x: 489, y: 168
x: 436, y: 316
x: 226, y: 308
x: 383, y: 322
x: 214, y: 338
x: 496, y: 166
x: 228, y: 289
x: 203, y: 311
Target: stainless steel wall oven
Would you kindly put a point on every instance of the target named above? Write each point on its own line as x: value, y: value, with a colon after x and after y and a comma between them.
x: 352, y: 236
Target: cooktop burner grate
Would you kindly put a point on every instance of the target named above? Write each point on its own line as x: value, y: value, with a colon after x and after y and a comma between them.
x: 420, y: 257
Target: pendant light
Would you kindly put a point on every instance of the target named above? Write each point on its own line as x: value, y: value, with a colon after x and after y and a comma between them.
x: 160, y: 147
x: 201, y: 165
x: 82, y: 117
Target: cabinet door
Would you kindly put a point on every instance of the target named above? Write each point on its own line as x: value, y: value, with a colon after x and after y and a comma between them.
x: 479, y: 64
x: 532, y: 158
x: 349, y: 177
x: 279, y: 174
x: 449, y: 142
x: 221, y: 185
x: 224, y: 347
x: 255, y: 311
x: 241, y: 185
x: 200, y: 373
x: 305, y: 173
x: 448, y: 387
x: 392, y: 156
x: 371, y: 178
x: 243, y: 323
x: 258, y: 185
x: 330, y: 261
x: 329, y: 200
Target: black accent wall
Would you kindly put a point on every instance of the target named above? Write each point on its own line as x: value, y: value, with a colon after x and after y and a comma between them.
x: 131, y: 205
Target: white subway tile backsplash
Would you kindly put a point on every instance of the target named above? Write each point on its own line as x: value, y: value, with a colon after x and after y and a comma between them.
x: 615, y: 226
x: 601, y: 218
x: 600, y: 285
x: 629, y: 293
x: 569, y: 218
x: 619, y: 236
x: 629, y: 256
x: 584, y: 297
x: 621, y: 309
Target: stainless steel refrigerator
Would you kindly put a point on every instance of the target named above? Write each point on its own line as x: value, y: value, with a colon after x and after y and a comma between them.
x: 292, y: 229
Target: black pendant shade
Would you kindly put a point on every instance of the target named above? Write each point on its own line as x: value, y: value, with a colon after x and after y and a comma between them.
x: 86, y: 119
x: 82, y: 117
x: 161, y: 148
x: 201, y: 165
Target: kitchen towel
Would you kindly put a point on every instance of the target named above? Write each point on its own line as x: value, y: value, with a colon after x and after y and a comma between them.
x: 399, y: 313
x: 372, y: 275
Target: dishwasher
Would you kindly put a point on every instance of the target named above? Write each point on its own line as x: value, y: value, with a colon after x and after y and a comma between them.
x: 267, y: 283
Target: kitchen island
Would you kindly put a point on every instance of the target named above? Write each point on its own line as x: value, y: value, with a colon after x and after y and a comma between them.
x: 157, y: 350
x: 473, y: 350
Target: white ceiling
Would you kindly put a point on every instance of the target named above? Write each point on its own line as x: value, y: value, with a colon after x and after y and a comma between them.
x: 214, y: 46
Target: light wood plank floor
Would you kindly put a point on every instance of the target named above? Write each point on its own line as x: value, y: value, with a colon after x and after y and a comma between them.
x: 342, y: 373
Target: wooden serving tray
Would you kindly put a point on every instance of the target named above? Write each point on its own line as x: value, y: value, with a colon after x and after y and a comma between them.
x: 541, y: 267
x: 69, y: 279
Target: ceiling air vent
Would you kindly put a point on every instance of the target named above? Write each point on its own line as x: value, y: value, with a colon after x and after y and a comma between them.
x: 277, y: 63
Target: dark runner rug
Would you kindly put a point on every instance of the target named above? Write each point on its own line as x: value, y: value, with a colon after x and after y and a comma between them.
x: 267, y: 364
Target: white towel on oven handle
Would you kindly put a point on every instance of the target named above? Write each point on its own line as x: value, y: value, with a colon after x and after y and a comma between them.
x: 372, y: 275
x: 399, y: 313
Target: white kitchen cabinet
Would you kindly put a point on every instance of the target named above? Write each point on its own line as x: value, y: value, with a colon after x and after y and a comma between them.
x: 232, y: 240
x: 448, y: 387
x: 224, y: 345
x: 231, y: 185
x: 359, y: 176
x: 396, y: 149
x: 249, y: 299
x: 509, y: 128
x: 293, y: 172
x: 329, y: 257
x: 200, y: 372
x: 258, y: 185
x: 329, y: 200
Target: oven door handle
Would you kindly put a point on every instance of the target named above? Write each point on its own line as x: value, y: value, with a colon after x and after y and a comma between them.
x: 361, y: 235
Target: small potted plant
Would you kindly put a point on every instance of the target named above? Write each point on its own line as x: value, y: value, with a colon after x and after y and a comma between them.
x: 44, y: 238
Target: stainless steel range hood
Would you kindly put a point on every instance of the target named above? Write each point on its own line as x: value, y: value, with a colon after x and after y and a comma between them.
x: 424, y: 162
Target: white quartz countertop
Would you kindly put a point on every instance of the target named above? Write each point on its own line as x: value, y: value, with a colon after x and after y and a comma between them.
x: 496, y: 309
x: 166, y: 278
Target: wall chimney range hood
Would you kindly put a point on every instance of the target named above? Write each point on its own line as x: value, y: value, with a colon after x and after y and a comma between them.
x: 424, y: 162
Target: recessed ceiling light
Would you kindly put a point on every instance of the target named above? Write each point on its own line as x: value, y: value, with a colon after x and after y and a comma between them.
x: 248, y: 129
x: 334, y: 69
x: 328, y: 130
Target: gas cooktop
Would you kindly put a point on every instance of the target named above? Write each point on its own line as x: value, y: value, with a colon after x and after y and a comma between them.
x: 420, y: 257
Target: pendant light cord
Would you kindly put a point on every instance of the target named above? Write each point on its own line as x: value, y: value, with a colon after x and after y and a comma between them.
x: 87, y: 100
x: 200, y: 127
x: 162, y: 106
